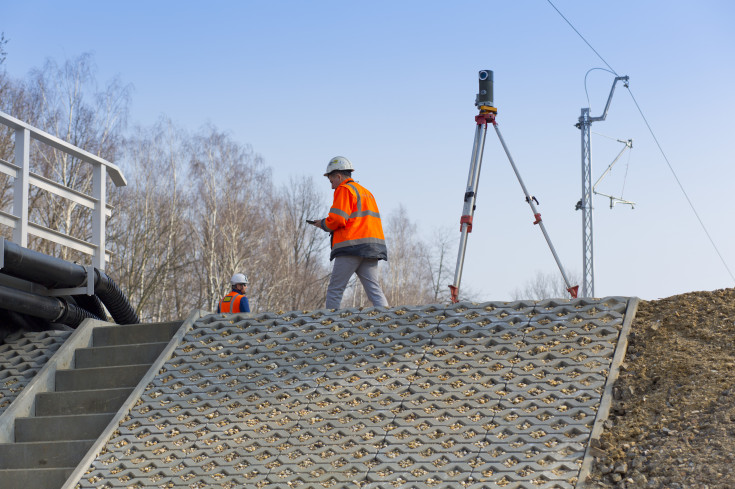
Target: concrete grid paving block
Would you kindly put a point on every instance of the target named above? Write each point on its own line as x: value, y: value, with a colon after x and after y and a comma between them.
x: 485, y: 395
x: 21, y: 357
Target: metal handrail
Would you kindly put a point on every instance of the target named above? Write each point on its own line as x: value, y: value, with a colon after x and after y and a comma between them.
x: 20, y: 170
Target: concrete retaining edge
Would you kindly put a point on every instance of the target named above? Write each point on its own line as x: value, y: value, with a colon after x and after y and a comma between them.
x: 607, y: 395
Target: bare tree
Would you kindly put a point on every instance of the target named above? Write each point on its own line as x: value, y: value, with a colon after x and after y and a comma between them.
x: 406, y: 279
x: 237, y: 224
x: 545, y: 286
x: 149, y: 230
x: 231, y: 189
x: 66, y: 102
x: 294, y: 271
x: 441, y: 249
x: 417, y: 272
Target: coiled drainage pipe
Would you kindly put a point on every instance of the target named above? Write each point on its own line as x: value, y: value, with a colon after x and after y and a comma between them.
x: 55, y: 273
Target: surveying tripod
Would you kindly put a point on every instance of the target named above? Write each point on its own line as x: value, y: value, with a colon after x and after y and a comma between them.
x: 484, y: 102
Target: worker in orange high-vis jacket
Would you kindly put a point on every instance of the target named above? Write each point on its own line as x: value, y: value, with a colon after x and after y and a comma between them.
x: 357, y: 235
x: 236, y: 300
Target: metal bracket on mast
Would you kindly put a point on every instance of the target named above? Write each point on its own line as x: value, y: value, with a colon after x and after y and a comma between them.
x: 614, y: 200
x: 484, y: 101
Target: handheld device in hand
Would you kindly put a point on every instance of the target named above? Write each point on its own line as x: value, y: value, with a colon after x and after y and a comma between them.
x: 310, y: 221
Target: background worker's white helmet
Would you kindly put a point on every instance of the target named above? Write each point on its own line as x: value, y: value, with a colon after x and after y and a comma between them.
x: 239, y: 278
x: 338, y: 163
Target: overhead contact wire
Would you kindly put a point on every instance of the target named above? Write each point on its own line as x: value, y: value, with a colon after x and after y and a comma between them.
x: 681, y: 186
x: 582, y: 37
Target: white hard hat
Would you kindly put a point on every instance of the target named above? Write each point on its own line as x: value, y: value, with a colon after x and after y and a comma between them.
x: 339, y: 163
x: 239, y: 278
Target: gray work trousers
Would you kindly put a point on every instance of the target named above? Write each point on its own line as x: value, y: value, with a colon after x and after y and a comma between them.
x: 366, y: 270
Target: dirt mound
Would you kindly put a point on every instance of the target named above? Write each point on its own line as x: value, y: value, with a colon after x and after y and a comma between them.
x: 672, y: 423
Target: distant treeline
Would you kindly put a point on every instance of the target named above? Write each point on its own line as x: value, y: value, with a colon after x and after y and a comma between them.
x: 198, y: 207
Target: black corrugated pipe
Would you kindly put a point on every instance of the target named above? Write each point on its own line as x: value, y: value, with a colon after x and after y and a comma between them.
x: 52, y: 309
x: 57, y: 273
x: 91, y: 303
x: 113, y: 299
x: 74, y: 315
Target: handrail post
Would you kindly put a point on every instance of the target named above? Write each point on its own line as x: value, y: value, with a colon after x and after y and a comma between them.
x: 99, y: 191
x: 21, y: 187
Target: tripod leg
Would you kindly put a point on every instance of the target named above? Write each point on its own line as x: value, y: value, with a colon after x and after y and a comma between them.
x: 571, y: 289
x: 470, y: 197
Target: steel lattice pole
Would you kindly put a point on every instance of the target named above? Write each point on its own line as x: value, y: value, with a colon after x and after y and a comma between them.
x: 588, y: 265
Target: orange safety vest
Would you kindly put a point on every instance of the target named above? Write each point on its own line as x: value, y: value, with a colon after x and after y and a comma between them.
x: 231, y: 302
x: 354, y: 221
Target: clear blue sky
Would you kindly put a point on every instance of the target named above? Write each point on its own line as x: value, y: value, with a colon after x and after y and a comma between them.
x: 391, y: 85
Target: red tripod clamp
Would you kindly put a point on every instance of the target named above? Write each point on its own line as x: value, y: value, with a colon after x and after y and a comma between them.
x: 454, y: 291
x: 466, y: 219
x: 573, y: 291
x: 485, y: 118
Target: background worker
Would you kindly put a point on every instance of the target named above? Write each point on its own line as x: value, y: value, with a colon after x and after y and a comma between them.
x: 357, y: 235
x: 236, y: 301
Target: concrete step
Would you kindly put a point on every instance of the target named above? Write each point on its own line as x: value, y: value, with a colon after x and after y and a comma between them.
x: 49, y: 445
x: 100, y: 377
x: 34, y: 479
x: 109, y: 356
x: 42, y: 455
x: 58, y: 428
x: 81, y: 402
x: 127, y: 334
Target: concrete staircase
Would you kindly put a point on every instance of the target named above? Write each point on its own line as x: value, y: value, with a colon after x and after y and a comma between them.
x: 67, y: 421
